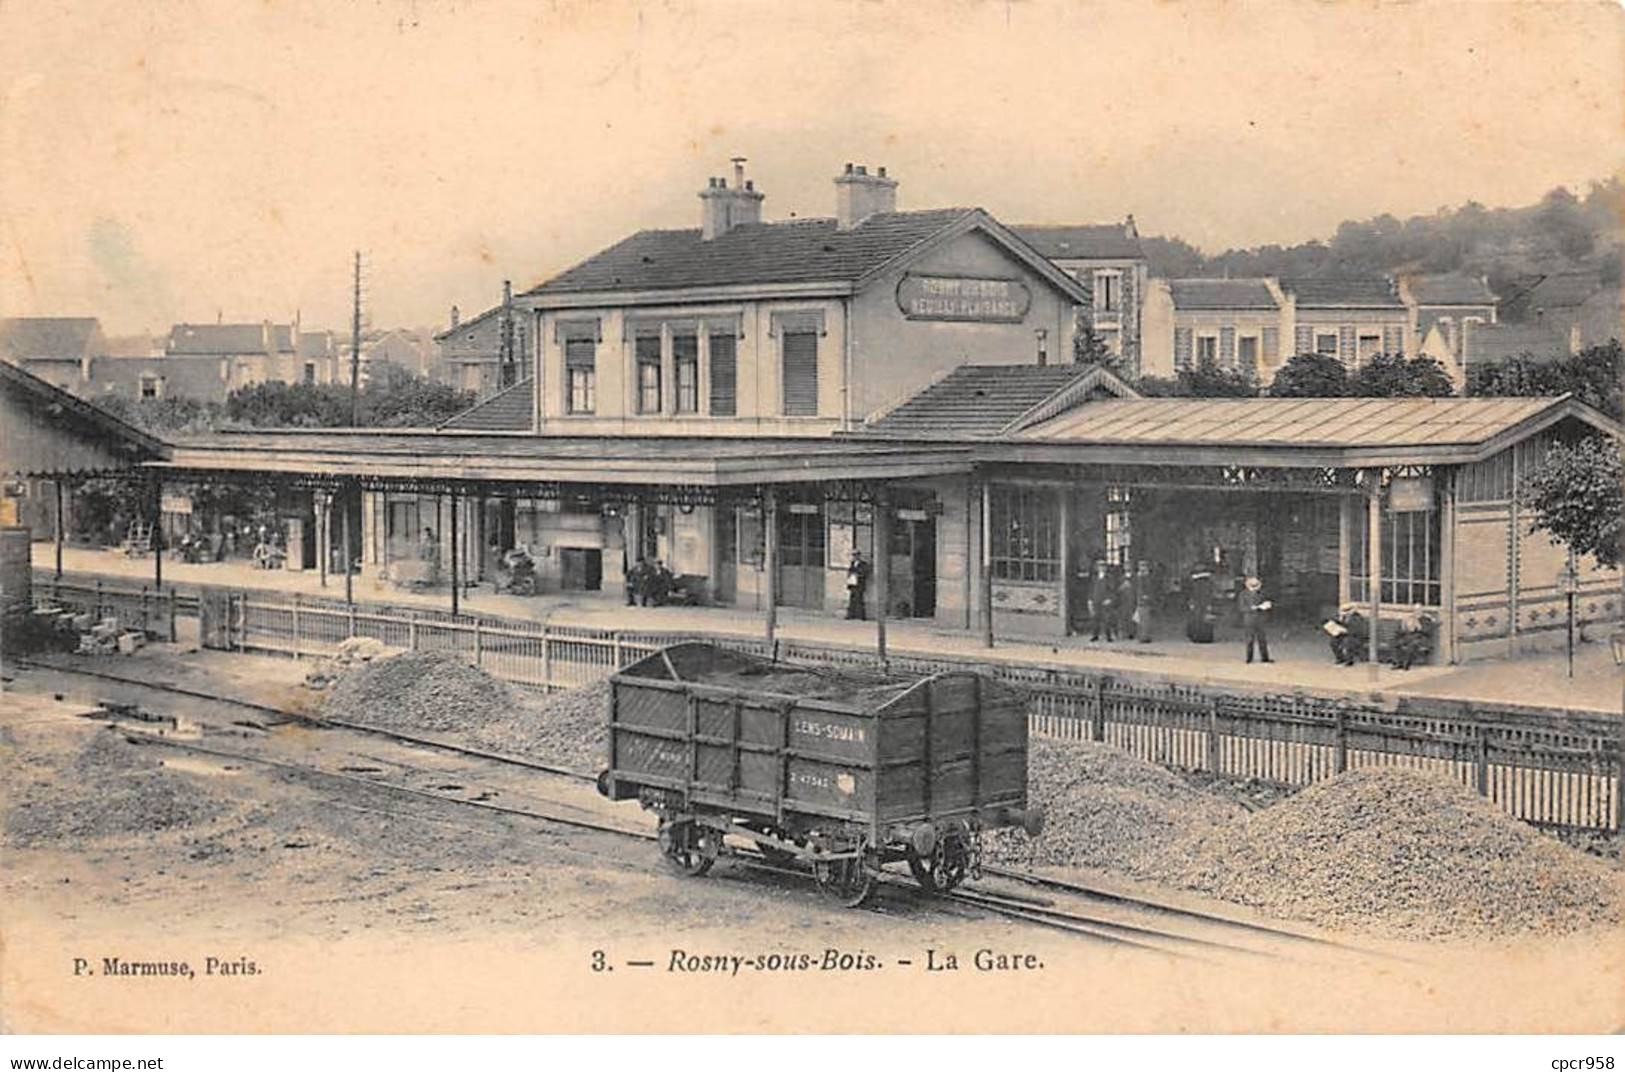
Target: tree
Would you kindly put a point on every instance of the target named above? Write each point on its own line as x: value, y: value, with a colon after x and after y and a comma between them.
x: 1593, y: 376
x: 1206, y: 380
x: 1311, y: 376
x: 1398, y: 376
x: 1088, y: 348
x: 1575, y: 494
x: 392, y: 398
x: 398, y: 398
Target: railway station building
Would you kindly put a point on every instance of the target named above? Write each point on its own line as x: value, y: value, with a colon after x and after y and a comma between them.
x: 750, y: 402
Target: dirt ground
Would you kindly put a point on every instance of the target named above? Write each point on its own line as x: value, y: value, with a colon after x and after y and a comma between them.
x: 358, y: 911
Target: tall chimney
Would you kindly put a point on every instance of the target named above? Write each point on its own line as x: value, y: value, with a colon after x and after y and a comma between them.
x: 507, y: 292
x: 724, y: 207
x: 456, y: 316
x: 859, y: 195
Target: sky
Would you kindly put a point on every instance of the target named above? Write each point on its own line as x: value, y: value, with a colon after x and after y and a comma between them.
x: 165, y: 162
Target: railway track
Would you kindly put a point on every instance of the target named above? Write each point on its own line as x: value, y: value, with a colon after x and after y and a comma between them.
x: 1082, y: 911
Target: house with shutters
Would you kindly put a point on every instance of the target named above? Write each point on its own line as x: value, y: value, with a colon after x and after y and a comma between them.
x: 1235, y: 323
x: 1353, y: 319
x: 1110, y: 262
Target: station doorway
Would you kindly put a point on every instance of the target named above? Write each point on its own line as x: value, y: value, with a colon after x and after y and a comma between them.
x: 801, y: 555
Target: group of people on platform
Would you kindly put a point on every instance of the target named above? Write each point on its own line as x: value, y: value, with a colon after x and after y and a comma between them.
x: 1121, y: 601
x: 649, y: 584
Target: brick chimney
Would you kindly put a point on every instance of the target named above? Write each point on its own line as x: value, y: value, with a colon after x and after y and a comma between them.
x: 859, y: 195
x: 724, y: 207
x: 456, y: 316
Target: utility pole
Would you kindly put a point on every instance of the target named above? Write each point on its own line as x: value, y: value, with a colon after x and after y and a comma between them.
x: 355, y: 348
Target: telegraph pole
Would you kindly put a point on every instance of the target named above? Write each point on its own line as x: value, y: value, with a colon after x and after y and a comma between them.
x: 355, y: 348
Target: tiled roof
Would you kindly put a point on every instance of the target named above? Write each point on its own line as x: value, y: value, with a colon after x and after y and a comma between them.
x: 1451, y: 288
x: 1094, y: 241
x: 975, y: 400
x: 1198, y: 294
x: 1487, y: 343
x: 509, y: 410
x: 1288, y: 422
x: 1372, y: 292
x: 790, y: 251
x: 1562, y: 290
x: 316, y: 344
x: 228, y: 338
x: 34, y: 337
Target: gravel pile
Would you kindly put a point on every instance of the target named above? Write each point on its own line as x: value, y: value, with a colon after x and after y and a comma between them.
x: 1402, y: 853
x: 110, y: 788
x: 439, y: 693
x: 1105, y: 810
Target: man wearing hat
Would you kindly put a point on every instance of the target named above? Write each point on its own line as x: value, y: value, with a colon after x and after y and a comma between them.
x: 1254, y: 611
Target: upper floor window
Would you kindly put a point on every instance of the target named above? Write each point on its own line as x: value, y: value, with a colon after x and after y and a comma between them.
x: 1207, y: 349
x: 1247, y: 352
x: 1369, y: 346
x: 1326, y: 343
x: 647, y: 349
x: 580, y: 374
x: 1108, y: 292
x: 800, y: 357
x: 724, y: 366
x: 685, y: 354
x: 310, y: 372
x: 151, y: 386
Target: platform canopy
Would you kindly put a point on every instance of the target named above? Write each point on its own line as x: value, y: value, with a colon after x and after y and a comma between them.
x: 51, y: 433
x: 431, y: 460
x: 1295, y: 432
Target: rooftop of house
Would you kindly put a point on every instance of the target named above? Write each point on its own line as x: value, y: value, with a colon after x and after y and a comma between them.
x: 1202, y: 294
x: 1451, y: 288
x: 786, y: 251
x: 32, y: 338
x: 223, y: 339
x: 1090, y: 241
x: 1366, y: 292
x: 509, y: 410
x: 986, y: 400
x: 1489, y: 343
x: 1561, y: 290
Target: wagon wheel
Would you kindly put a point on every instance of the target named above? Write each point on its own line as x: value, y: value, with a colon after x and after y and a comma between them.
x: 847, y: 881
x: 688, y: 849
x: 943, y: 869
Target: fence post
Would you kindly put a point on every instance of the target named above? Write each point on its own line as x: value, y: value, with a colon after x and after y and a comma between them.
x: 296, y: 627
x: 1213, y: 735
x: 350, y: 616
x: 173, y: 636
x: 411, y: 630
x: 547, y: 658
x: 99, y: 614
x: 615, y: 649
x: 1483, y: 762
x: 1340, y: 747
x: 479, y: 647
x: 143, y: 610
x: 1097, y: 729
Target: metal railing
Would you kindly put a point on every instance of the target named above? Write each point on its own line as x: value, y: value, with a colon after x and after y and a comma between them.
x: 1557, y: 769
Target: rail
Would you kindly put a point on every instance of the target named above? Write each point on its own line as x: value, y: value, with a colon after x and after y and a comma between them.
x: 1554, y: 769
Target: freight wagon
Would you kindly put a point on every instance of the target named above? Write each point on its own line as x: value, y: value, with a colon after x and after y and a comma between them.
x: 841, y: 771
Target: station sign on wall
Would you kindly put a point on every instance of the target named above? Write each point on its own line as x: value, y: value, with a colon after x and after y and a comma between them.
x: 939, y: 297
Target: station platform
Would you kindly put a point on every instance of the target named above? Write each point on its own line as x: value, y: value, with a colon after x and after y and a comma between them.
x: 1302, y: 659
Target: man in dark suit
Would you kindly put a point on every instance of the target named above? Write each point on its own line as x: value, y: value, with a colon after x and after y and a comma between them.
x: 1254, y: 616
x: 1102, y: 598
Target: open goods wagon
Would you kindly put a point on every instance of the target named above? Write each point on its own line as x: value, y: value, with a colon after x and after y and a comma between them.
x: 841, y: 770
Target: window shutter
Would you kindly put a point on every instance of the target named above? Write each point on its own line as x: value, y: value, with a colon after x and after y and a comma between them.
x: 1345, y: 343
x: 1305, y: 341
x: 1272, y: 344
x: 724, y: 376
x: 580, y: 353
x: 1182, y: 348
x: 1227, y: 346
x: 800, y: 349
x: 1393, y: 340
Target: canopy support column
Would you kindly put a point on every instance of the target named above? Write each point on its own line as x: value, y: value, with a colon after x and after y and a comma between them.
x: 345, y: 498
x: 61, y: 523
x: 1373, y: 566
x: 456, y: 578
x: 985, y: 566
x: 155, y: 515
x: 882, y: 552
x: 770, y: 563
